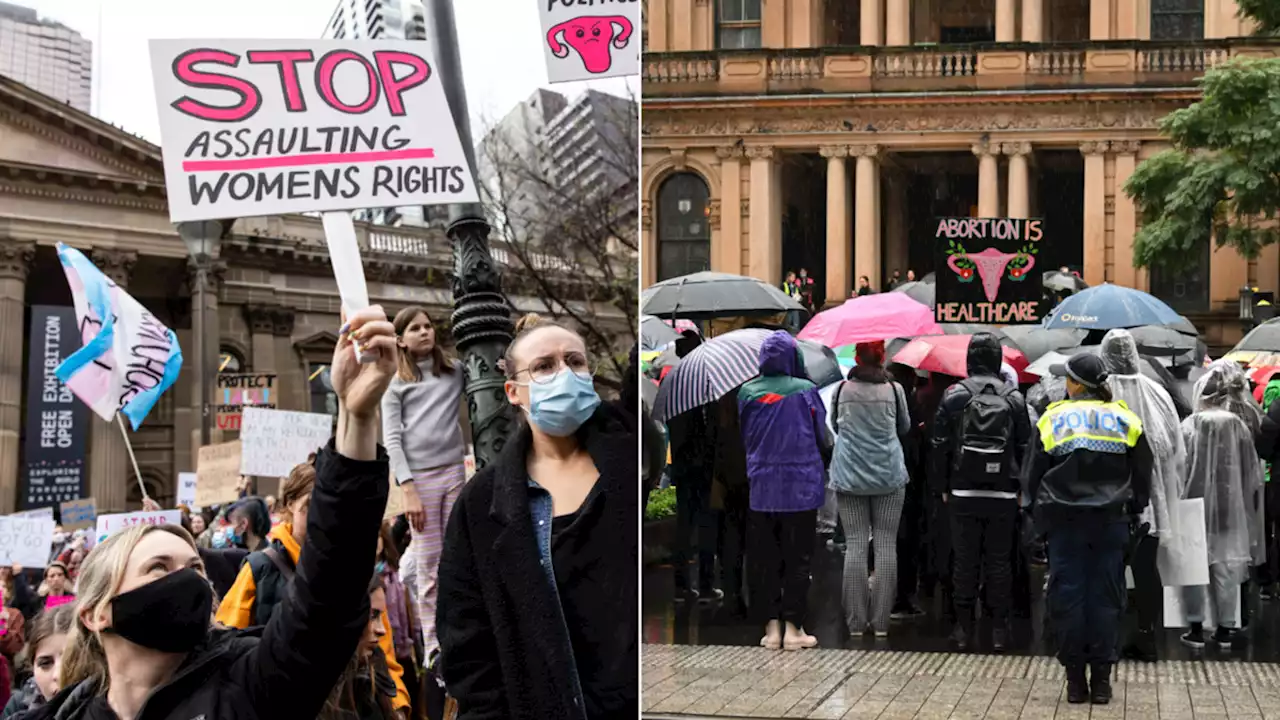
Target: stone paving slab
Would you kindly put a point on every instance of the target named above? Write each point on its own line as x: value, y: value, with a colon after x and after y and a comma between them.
x: 680, y: 681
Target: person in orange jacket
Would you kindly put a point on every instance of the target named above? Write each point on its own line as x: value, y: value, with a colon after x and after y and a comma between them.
x: 264, y: 577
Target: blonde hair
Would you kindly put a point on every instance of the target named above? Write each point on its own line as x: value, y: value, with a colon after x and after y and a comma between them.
x: 525, y: 326
x: 100, y: 576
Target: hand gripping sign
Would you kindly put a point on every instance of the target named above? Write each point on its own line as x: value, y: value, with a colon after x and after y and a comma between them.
x: 266, y: 127
x: 589, y: 46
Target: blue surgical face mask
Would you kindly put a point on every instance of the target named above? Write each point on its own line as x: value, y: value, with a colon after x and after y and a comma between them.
x: 560, y: 405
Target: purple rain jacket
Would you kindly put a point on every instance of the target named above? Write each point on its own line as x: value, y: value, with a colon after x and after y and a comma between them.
x: 783, y: 423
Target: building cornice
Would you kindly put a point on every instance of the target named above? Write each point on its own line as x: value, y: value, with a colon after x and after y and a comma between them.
x: 43, y: 123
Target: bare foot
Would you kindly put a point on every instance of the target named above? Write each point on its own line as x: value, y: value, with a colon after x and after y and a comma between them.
x: 797, y: 639
x: 772, y: 639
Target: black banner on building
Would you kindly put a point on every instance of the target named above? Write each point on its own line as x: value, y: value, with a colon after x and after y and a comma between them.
x: 987, y: 271
x: 57, y: 430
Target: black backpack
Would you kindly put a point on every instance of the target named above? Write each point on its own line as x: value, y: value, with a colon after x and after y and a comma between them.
x: 984, y: 439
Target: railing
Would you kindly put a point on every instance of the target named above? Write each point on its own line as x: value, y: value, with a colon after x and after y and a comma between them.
x: 1000, y: 65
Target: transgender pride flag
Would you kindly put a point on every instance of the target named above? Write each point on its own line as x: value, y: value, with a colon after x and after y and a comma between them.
x: 129, y: 358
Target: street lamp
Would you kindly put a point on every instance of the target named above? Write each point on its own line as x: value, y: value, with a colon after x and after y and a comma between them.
x: 481, y: 322
x: 1246, y: 309
x: 203, y: 239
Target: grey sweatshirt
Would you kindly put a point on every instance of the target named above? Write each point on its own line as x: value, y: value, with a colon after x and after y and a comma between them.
x: 420, y: 422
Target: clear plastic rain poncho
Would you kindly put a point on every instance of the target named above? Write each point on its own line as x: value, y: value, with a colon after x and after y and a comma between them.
x: 1040, y: 396
x: 1223, y: 468
x: 1160, y: 425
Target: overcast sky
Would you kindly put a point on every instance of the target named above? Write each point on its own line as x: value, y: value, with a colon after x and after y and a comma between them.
x: 500, y: 43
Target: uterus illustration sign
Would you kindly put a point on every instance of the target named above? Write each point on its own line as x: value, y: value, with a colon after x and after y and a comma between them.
x: 987, y: 271
x: 592, y: 40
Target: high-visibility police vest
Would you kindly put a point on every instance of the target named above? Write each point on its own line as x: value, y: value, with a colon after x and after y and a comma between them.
x: 1105, y: 427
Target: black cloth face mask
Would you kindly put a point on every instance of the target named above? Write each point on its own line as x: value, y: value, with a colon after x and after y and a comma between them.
x: 169, y: 615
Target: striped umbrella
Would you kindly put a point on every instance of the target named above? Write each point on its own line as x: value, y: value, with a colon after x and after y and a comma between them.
x: 723, y: 363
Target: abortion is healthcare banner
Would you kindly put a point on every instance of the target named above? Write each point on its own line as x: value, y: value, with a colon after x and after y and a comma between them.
x: 128, y: 358
x: 266, y: 127
x: 590, y: 40
x: 987, y: 271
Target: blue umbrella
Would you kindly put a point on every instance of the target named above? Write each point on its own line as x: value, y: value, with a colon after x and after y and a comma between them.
x: 1110, y: 306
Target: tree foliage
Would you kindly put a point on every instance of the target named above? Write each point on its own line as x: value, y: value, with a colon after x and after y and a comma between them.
x: 1264, y: 12
x: 1221, y: 179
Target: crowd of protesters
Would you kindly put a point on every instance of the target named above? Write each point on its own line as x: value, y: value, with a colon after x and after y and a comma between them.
x: 499, y: 596
x: 958, y: 486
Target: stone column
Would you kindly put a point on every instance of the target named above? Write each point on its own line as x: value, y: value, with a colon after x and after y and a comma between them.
x: 898, y: 22
x: 1005, y: 12
x: 872, y: 21
x: 1019, y: 154
x: 1126, y: 215
x: 866, y: 252
x: 109, y: 469
x: 212, y: 335
x: 839, y: 224
x: 648, y: 246
x: 1095, y: 224
x: 1099, y: 19
x: 291, y: 379
x: 988, y: 180
x: 730, y: 258
x: 15, y: 264
x: 262, y: 344
x: 1033, y: 21
x: 765, y: 243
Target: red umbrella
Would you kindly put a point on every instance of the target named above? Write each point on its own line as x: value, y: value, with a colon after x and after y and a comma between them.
x: 949, y: 354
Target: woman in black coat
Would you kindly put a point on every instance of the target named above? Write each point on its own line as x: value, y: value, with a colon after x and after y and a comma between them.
x: 538, y: 584
x: 142, y: 647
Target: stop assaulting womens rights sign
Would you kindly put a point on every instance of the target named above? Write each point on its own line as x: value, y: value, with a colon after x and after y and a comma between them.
x: 987, y: 271
x: 264, y: 127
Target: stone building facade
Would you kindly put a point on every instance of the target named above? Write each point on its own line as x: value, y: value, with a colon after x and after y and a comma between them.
x: 781, y: 134
x: 68, y: 177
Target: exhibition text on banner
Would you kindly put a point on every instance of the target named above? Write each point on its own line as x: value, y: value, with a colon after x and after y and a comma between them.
x: 987, y: 271
x: 57, y: 431
x: 267, y: 127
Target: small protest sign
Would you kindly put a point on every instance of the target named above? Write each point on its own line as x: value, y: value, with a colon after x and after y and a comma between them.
x: 589, y: 43
x: 273, y: 441
x: 987, y: 271
x: 217, y: 473
x: 25, y: 541
x: 187, y: 484
x: 44, y: 512
x: 267, y: 127
x: 109, y: 525
x: 79, y: 514
x: 235, y: 390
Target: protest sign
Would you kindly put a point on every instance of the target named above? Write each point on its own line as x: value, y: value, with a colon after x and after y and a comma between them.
x: 187, y: 483
x: 987, y: 271
x: 589, y: 43
x: 1190, y: 564
x: 237, y: 390
x: 128, y: 359
x: 217, y: 473
x: 44, y: 512
x: 267, y: 127
x: 78, y: 514
x: 273, y: 441
x: 57, y: 431
x: 109, y: 525
x: 25, y: 541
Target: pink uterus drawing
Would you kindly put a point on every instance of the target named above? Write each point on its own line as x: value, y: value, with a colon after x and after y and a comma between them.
x: 591, y: 38
x: 991, y: 264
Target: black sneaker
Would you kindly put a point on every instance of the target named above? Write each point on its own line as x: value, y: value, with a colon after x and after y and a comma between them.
x: 1077, y: 686
x: 710, y: 595
x: 1100, y: 684
x: 999, y: 639
x: 1141, y: 647
x: 960, y: 638
x: 1226, y: 638
x: 905, y: 611
x: 1193, y: 638
x: 1268, y: 592
x: 686, y: 595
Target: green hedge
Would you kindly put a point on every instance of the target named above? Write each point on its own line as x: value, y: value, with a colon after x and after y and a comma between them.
x: 662, y: 504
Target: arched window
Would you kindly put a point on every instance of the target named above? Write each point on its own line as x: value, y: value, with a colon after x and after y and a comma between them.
x: 229, y: 361
x: 684, y: 235
x: 1187, y: 291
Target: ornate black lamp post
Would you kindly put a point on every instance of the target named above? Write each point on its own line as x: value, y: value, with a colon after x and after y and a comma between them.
x: 481, y: 322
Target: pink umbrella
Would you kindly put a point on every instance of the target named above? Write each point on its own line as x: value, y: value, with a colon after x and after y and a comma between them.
x: 871, y: 317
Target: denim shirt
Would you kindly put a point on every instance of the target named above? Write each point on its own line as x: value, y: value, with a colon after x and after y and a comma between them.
x: 542, y: 510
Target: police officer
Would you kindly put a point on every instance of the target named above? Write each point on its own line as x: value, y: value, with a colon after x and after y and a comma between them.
x: 1087, y: 478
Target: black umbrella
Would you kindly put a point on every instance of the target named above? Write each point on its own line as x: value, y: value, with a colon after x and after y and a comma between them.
x: 820, y: 363
x: 1168, y: 345
x: 922, y: 292
x: 1058, y: 282
x: 1035, y: 341
x: 654, y: 333
x: 1264, y: 338
x: 710, y: 295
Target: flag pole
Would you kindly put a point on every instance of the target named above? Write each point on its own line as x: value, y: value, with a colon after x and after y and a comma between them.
x: 133, y: 459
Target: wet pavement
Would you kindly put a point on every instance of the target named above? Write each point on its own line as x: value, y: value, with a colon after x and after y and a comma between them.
x: 704, y: 659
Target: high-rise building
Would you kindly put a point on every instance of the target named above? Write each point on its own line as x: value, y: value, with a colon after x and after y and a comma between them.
x: 386, y: 20
x: 592, y: 142
x: 511, y: 158
x: 45, y: 55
